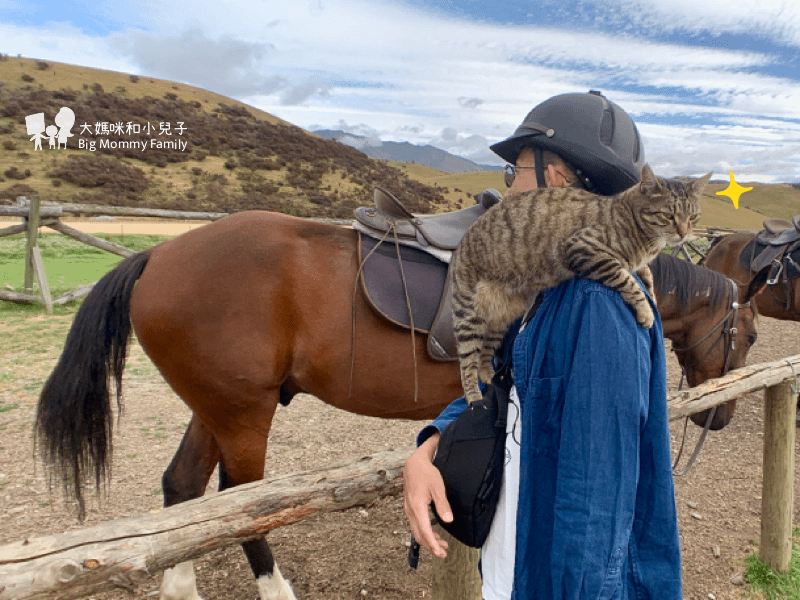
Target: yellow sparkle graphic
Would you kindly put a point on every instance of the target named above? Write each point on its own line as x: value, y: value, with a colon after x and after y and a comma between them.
x: 733, y: 191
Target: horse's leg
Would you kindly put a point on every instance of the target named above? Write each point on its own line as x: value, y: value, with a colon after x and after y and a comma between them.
x: 185, y: 479
x: 270, y: 581
x: 243, y: 457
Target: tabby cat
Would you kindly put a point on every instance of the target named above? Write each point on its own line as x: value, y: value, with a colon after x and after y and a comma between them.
x: 537, y: 239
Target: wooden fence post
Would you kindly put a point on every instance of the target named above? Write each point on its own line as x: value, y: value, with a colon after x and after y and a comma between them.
x: 33, y: 232
x: 41, y: 277
x: 777, y: 496
x: 456, y: 577
x: 33, y: 255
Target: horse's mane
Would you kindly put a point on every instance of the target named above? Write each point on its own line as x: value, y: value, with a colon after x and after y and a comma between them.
x: 687, y: 280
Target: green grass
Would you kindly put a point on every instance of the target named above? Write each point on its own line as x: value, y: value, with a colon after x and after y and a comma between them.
x: 68, y: 263
x: 771, y: 584
x: 32, y: 339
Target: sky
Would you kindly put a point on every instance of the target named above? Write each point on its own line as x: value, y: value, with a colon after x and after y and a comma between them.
x: 712, y: 85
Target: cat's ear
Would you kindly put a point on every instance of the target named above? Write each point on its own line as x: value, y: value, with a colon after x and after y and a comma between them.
x: 698, y: 185
x: 649, y: 181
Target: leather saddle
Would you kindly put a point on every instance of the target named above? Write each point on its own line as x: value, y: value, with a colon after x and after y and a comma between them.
x: 778, y: 244
x: 778, y: 240
x: 404, y: 261
x: 780, y: 232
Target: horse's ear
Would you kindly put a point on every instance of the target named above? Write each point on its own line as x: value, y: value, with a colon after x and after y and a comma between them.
x: 758, y: 283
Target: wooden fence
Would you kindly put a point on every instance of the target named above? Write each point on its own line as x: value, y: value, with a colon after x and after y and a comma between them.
x: 77, y: 563
x: 35, y: 216
x: 124, y: 552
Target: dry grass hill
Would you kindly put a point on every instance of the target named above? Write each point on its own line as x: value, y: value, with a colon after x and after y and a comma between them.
x: 227, y: 156
x: 231, y: 156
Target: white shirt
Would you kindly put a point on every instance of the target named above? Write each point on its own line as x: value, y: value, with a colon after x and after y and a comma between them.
x: 499, y: 549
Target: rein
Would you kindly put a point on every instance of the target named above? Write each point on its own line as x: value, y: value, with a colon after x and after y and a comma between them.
x: 726, y: 332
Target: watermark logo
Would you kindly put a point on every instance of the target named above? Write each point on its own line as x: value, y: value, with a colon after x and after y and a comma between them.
x: 57, y: 134
x: 104, y: 135
x: 166, y: 137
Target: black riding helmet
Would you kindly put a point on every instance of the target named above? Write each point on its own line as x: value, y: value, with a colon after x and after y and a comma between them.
x: 594, y: 135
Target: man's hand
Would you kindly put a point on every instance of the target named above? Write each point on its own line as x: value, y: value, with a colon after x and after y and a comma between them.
x: 422, y: 485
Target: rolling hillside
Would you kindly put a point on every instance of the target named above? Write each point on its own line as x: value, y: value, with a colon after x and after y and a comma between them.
x: 144, y: 142
x: 228, y: 156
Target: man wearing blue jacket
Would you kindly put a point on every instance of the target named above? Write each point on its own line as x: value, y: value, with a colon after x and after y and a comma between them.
x: 587, y: 508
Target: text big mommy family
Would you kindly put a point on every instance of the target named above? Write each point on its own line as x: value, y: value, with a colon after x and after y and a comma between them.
x: 168, y: 138
x: 142, y: 145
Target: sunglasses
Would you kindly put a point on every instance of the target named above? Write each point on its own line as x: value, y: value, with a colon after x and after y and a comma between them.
x: 510, y: 173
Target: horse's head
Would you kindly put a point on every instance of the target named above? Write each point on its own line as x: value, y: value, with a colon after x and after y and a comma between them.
x: 710, y: 320
x: 710, y: 356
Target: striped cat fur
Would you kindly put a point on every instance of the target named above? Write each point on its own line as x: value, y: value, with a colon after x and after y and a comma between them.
x: 537, y: 239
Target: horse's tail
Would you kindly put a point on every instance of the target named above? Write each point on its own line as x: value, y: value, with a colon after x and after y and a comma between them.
x: 74, y: 419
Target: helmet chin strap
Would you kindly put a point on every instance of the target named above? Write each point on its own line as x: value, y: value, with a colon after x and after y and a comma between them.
x: 539, y: 168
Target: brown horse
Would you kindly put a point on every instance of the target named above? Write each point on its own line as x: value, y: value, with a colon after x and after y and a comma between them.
x: 242, y: 314
x: 781, y: 300
x: 706, y: 301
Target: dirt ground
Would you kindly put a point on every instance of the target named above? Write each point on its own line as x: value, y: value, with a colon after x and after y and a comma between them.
x: 361, y: 553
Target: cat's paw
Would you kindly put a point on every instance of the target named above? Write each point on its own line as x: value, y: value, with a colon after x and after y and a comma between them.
x: 486, y: 374
x: 473, y: 396
x: 645, y: 316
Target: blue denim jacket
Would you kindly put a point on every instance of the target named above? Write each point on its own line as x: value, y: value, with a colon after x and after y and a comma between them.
x: 596, y: 511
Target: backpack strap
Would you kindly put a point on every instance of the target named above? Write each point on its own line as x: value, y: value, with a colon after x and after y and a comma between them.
x: 503, y: 360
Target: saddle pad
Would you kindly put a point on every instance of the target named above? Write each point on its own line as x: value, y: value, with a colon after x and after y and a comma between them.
x: 382, y: 283
x: 754, y: 248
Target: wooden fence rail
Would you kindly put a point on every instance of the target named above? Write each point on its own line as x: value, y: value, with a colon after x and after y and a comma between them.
x: 59, y: 210
x: 126, y: 551
x: 38, y: 215
x: 779, y: 380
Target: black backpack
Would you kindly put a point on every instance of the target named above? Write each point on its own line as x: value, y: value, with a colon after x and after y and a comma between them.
x: 472, y: 451
x: 470, y: 456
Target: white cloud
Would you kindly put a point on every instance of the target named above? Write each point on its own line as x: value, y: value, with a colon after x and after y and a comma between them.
x: 778, y: 19
x: 404, y: 74
x: 226, y: 65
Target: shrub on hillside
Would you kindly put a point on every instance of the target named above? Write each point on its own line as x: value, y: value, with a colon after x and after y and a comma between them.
x: 11, y: 193
x: 121, y: 180
x: 231, y: 131
x: 14, y: 173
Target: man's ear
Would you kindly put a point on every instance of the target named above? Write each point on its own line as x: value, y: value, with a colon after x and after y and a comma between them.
x: 555, y: 178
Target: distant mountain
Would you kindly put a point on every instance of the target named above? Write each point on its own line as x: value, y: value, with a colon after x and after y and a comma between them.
x: 405, y: 152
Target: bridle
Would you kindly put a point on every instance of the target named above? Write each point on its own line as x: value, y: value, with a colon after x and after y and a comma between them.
x: 728, y: 331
